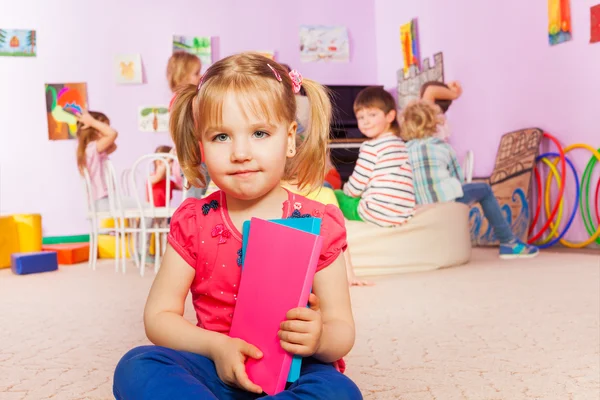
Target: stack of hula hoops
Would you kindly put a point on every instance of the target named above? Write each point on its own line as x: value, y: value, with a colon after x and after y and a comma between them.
x: 586, y: 198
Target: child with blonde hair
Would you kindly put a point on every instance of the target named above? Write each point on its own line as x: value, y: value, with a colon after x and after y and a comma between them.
x: 438, y: 176
x: 241, y: 122
x: 380, y: 189
x: 186, y: 69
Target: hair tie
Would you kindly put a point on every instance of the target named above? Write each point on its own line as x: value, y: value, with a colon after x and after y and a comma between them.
x: 201, y: 81
x: 277, y: 76
x: 296, y: 80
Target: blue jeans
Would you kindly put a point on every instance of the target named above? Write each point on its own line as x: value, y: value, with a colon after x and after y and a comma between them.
x: 154, y: 372
x: 481, y: 192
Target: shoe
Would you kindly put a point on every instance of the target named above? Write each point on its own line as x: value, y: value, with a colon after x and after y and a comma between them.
x: 518, y: 249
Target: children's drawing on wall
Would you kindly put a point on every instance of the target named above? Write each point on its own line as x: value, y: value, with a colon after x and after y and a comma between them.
x: 63, y: 101
x: 153, y: 119
x: 324, y: 43
x: 410, y: 45
x: 128, y: 68
x: 18, y: 43
x: 595, y: 24
x: 559, y: 21
x: 200, y: 46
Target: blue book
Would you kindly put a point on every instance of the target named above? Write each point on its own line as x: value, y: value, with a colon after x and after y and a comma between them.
x: 311, y: 225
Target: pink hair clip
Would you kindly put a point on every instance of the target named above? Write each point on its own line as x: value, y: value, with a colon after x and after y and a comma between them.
x: 296, y: 80
x: 277, y: 76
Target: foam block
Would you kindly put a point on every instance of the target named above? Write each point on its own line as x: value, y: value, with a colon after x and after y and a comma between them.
x: 32, y: 263
x: 106, y: 246
x: 9, y: 240
x: 29, y: 228
x: 71, y: 253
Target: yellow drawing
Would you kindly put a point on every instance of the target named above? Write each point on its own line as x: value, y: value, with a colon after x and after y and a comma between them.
x: 127, y: 70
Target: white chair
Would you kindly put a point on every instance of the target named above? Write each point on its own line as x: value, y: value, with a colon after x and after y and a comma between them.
x: 94, y: 216
x: 152, y: 212
x: 468, y: 165
x: 124, y: 215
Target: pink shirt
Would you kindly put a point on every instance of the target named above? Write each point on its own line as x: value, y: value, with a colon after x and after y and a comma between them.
x: 95, y: 166
x: 204, y: 236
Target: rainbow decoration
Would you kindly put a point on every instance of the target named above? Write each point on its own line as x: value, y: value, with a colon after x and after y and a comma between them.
x: 559, y: 21
x: 410, y: 45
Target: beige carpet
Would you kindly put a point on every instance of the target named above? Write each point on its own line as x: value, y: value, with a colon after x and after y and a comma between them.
x: 488, y: 330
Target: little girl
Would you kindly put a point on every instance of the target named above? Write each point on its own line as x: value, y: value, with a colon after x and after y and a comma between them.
x: 439, y: 178
x: 185, y: 69
x: 158, y: 179
x: 241, y: 122
x: 96, y: 140
x: 380, y: 190
x: 442, y: 95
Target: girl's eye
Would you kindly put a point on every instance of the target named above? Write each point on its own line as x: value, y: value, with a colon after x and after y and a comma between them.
x: 221, y: 138
x: 260, y: 134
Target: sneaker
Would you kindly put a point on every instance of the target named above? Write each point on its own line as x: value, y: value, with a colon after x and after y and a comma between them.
x: 518, y: 249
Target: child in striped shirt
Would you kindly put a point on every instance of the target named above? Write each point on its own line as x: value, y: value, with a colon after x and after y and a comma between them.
x: 380, y: 189
x: 439, y: 178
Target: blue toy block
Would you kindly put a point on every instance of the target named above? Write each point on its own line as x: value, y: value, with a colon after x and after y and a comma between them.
x: 32, y: 263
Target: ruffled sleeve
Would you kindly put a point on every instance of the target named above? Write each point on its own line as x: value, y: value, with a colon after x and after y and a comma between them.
x: 333, y: 231
x: 183, y: 234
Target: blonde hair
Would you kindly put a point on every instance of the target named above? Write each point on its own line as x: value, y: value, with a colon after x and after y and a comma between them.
x: 377, y: 97
x: 419, y: 119
x: 85, y: 136
x: 256, y: 86
x: 180, y: 65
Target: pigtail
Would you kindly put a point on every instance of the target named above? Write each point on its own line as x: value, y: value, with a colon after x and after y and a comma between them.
x: 307, y: 168
x: 183, y: 132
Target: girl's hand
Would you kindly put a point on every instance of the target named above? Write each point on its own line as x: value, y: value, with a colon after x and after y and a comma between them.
x: 455, y: 87
x: 229, y: 359
x: 86, y: 119
x: 301, y: 333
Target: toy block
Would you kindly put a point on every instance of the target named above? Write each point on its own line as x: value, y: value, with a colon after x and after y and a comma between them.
x: 9, y: 239
x: 71, y: 253
x: 29, y: 228
x: 32, y: 263
x: 106, y: 246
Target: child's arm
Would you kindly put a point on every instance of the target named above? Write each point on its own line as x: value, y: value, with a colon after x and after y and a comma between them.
x: 454, y: 167
x: 434, y: 92
x: 326, y: 329
x: 363, y: 170
x: 159, y: 174
x: 107, y: 134
x: 165, y: 325
x: 331, y: 287
x: 111, y: 149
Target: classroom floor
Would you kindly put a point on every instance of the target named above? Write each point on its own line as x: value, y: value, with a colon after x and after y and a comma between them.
x: 489, y: 330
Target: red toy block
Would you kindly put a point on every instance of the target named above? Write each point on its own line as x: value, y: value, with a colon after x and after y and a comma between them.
x: 70, y: 253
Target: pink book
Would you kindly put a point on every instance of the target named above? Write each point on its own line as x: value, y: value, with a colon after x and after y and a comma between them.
x: 279, y: 269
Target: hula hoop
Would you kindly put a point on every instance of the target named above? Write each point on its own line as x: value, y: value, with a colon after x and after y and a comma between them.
x: 553, y: 171
x: 538, y: 206
x: 561, y: 191
x: 575, y: 208
x: 597, y: 201
x: 580, y: 245
x: 586, y: 214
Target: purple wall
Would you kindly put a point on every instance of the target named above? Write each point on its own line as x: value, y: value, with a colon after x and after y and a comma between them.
x: 511, y: 77
x: 77, y: 42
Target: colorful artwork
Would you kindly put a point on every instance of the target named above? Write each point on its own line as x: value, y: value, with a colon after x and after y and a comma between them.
x: 153, y: 119
x: 409, y: 85
x: 559, y: 21
x: 324, y: 43
x: 595, y: 24
x: 18, y: 43
x: 128, y: 69
x: 199, y: 46
x: 62, y: 101
x: 511, y: 184
x: 410, y: 45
